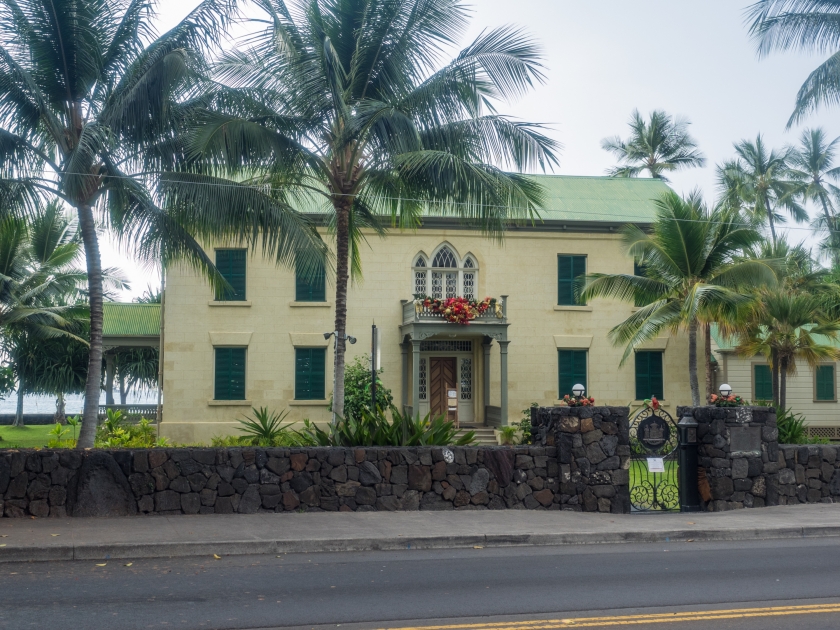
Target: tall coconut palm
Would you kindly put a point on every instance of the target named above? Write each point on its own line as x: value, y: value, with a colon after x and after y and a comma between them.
x: 785, y: 327
x: 88, y: 107
x: 691, y: 274
x: 812, y: 167
x: 348, y: 103
x: 761, y: 183
x: 658, y: 146
x: 807, y: 25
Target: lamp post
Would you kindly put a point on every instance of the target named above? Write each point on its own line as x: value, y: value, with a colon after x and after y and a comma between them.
x: 725, y: 390
x: 688, y: 462
x: 349, y: 338
x: 578, y: 390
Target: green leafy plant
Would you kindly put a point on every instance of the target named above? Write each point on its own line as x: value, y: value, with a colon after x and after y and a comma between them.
x: 793, y: 430
x: 357, y: 382
x: 509, y: 434
x: 57, y: 440
x: 525, y: 424
x: 375, y: 429
x: 266, y: 428
x: 115, y: 432
x: 73, y: 421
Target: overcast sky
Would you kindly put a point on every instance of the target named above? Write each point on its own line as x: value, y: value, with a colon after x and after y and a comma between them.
x: 604, y: 58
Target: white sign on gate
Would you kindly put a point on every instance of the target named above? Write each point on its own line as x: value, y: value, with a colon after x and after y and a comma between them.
x: 656, y: 464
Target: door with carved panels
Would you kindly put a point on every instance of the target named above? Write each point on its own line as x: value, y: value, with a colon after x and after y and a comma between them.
x: 442, y: 375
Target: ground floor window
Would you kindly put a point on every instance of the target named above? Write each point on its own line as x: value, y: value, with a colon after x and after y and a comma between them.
x: 572, y: 370
x: 649, y: 375
x: 230, y: 374
x: 310, y: 373
x: 824, y: 386
x: 762, y: 382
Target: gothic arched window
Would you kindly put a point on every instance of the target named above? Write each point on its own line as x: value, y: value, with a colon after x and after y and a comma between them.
x: 447, y: 276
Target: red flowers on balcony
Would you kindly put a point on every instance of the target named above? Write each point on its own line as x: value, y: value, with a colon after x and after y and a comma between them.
x: 456, y: 310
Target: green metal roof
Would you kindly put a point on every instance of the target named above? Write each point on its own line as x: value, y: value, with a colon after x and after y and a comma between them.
x: 122, y: 319
x: 566, y: 198
x: 611, y: 199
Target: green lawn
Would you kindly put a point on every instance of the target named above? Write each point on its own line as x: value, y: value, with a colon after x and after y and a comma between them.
x: 26, y: 437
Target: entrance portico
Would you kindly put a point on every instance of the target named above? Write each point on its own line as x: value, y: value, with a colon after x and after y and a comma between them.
x: 444, y: 355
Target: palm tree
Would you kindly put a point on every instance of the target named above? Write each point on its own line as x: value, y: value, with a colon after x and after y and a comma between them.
x: 39, y: 285
x: 812, y: 166
x: 785, y: 327
x: 808, y: 25
x: 345, y: 105
x: 691, y: 274
x: 88, y: 109
x: 761, y: 183
x: 661, y: 145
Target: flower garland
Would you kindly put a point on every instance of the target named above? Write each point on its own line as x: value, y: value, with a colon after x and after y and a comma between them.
x: 727, y: 401
x: 577, y: 401
x: 457, y: 310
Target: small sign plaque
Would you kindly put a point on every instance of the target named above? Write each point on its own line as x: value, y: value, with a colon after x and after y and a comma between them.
x: 452, y: 394
x: 656, y: 464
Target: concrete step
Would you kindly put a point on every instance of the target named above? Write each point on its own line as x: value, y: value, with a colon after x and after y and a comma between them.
x: 483, y: 435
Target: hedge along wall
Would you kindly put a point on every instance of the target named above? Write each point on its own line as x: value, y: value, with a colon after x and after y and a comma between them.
x: 248, y: 480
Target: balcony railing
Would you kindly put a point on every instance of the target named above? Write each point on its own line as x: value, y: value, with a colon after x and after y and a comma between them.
x: 414, y: 313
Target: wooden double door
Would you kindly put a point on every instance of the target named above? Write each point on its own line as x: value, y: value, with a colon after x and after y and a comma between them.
x: 443, y: 377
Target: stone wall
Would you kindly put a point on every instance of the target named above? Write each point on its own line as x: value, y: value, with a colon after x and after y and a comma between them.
x: 809, y: 474
x: 247, y: 480
x: 739, y: 453
x: 593, y: 449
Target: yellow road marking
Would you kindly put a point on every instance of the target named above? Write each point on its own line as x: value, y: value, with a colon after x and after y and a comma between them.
x: 634, y: 620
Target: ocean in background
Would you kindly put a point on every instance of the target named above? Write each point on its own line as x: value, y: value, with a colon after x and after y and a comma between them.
x: 73, y: 402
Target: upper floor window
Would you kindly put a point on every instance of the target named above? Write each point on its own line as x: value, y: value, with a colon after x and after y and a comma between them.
x: 231, y: 264
x: 310, y: 285
x: 569, y: 269
x: 446, y: 275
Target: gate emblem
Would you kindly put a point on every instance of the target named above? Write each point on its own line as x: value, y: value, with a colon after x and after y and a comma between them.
x: 653, y: 432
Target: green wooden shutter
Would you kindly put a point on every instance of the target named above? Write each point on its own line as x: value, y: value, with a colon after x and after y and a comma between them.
x: 230, y: 374
x: 649, y: 379
x: 763, y: 383
x: 571, y: 369
x: 825, y: 382
x: 312, y: 288
x: 569, y: 268
x: 231, y: 264
x: 310, y: 369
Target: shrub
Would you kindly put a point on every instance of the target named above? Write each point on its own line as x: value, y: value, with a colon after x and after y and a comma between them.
x: 792, y: 429
x: 525, y: 424
x: 374, y: 429
x: 357, y: 380
x: 266, y: 428
x: 115, y: 432
x: 509, y: 434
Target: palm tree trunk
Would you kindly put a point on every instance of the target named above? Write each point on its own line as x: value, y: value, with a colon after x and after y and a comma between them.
x: 783, y: 367
x: 707, y: 357
x: 832, y: 235
x: 342, y: 245
x: 110, y: 368
x: 692, y: 363
x: 19, y: 408
x: 772, y: 223
x: 123, y: 392
x: 90, y: 415
x: 60, y: 413
x: 774, y: 375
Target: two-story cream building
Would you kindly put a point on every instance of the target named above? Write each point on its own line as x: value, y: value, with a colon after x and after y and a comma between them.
x: 264, y: 343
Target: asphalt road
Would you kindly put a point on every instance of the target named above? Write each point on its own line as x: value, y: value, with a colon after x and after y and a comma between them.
x: 752, y: 586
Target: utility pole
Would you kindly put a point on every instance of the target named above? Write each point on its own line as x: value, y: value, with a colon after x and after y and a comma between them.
x: 373, y: 367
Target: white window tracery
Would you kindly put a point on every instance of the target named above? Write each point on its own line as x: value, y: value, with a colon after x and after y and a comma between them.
x: 447, y: 276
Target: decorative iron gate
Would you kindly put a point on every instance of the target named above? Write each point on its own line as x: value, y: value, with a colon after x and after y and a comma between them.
x: 653, y: 437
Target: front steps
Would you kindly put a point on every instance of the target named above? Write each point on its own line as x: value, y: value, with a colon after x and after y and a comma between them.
x: 484, y: 436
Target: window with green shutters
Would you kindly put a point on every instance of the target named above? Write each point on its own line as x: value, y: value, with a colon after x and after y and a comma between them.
x: 310, y: 368
x: 825, y: 383
x: 569, y: 269
x: 649, y: 375
x: 572, y: 370
x: 230, y: 374
x: 762, y: 383
x: 231, y: 264
x: 311, y: 287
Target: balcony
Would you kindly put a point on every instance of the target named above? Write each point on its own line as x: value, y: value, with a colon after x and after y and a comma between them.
x: 414, y: 313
